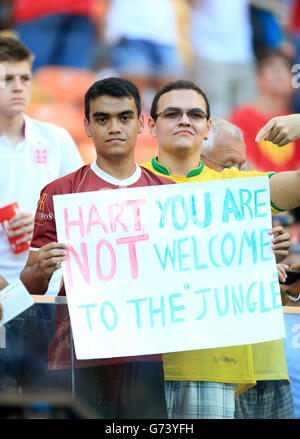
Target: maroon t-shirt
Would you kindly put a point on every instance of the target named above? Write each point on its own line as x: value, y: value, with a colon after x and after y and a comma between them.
x: 84, y: 179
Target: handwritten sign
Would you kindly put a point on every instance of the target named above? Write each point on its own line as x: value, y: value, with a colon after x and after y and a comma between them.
x: 14, y: 299
x: 170, y: 268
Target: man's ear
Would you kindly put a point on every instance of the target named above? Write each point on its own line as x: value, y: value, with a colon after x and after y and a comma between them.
x: 152, y: 127
x: 141, y: 123
x: 208, y: 127
x: 87, y: 128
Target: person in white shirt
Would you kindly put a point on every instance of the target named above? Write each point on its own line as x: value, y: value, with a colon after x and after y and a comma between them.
x: 32, y: 153
x: 144, y: 39
x: 224, y: 61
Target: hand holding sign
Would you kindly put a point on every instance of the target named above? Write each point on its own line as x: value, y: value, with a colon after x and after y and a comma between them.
x: 281, y: 130
x: 281, y: 242
x: 50, y: 256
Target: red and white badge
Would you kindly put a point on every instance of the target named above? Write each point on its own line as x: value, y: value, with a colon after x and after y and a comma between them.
x: 40, y: 154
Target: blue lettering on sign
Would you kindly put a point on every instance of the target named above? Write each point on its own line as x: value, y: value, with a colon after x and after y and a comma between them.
x: 104, y: 306
x: 204, y: 306
x: 175, y: 309
x: 264, y: 232
x: 183, y: 210
x: 164, y: 210
x: 250, y: 305
x: 220, y: 251
x: 230, y: 208
x: 182, y: 255
x: 245, y: 202
x: 210, y: 252
x: 196, y: 258
x: 108, y: 305
x: 250, y: 242
x: 258, y: 205
x: 255, y: 208
x: 160, y: 310
x: 88, y: 315
x: 228, y: 259
x: 152, y: 312
x: 276, y: 295
x: 178, y: 199
x: 168, y: 255
x: 207, y: 209
x: 137, y: 309
x: 237, y: 301
x: 224, y: 311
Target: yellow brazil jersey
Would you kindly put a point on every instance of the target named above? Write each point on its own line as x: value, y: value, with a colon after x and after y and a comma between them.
x: 237, y: 364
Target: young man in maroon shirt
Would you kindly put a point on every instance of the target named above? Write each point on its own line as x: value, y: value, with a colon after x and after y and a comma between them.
x: 131, y: 387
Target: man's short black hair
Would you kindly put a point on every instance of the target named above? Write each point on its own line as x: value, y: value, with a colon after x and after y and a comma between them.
x: 115, y: 87
x: 180, y: 84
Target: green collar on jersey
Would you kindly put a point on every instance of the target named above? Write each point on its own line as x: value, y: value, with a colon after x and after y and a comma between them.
x: 164, y: 170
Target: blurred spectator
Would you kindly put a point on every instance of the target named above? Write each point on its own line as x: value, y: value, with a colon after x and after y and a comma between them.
x: 273, y: 99
x: 5, y: 14
x: 269, y: 19
x: 58, y: 32
x: 144, y: 43
x: 224, y: 63
x: 32, y: 152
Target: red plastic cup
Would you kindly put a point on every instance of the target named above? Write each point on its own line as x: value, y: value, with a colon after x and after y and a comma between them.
x: 6, y: 213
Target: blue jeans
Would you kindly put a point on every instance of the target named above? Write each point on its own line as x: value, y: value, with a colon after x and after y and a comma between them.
x: 63, y: 40
x: 135, y: 57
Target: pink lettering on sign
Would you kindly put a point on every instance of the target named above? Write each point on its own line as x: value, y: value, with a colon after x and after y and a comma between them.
x: 131, y: 240
x: 113, y: 260
x: 82, y: 265
x: 97, y: 221
x: 79, y: 222
x: 84, y: 224
x: 114, y: 217
x: 136, y: 212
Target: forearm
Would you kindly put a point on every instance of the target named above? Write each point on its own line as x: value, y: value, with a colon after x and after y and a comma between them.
x: 35, y: 280
x: 284, y: 189
x: 3, y: 282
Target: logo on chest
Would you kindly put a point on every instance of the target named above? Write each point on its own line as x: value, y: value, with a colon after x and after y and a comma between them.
x: 40, y: 154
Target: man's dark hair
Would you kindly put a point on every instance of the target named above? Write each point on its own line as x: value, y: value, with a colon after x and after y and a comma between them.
x: 115, y: 87
x: 180, y: 84
x: 12, y: 49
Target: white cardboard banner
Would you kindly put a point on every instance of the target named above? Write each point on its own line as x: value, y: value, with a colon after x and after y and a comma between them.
x: 170, y: 268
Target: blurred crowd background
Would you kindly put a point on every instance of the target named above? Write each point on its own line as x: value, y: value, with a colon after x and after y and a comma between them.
x: 244, y: 54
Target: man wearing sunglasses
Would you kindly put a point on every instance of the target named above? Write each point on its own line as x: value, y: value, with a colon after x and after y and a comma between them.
x: 202, y: 384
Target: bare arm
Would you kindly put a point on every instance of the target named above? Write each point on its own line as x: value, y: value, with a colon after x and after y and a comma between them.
x: 285, y: 189
x: 3, y: 282
x: 41, y: 265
